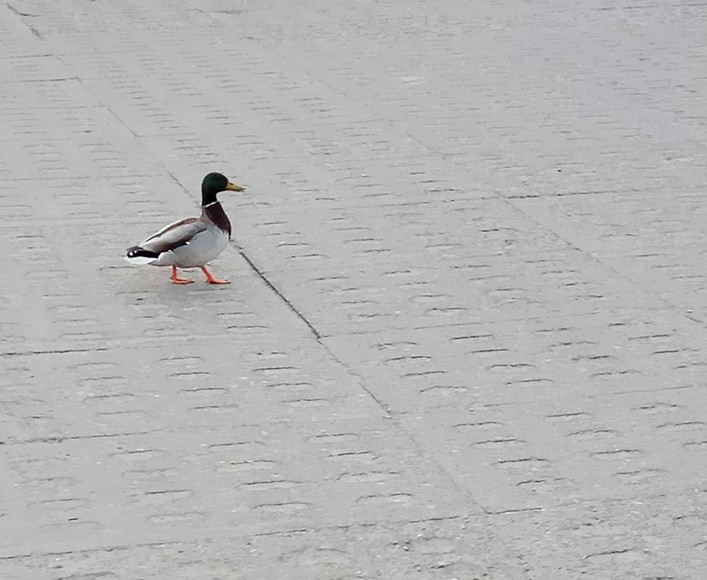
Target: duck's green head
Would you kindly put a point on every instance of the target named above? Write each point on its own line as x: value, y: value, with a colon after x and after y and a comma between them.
x: 213, y: 184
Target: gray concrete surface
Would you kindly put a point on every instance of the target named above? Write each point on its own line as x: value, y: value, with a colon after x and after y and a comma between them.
x: 467, y: 334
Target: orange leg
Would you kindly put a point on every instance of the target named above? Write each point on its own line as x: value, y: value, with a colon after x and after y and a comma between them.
x: 210, y: 277
x: 176, y: 279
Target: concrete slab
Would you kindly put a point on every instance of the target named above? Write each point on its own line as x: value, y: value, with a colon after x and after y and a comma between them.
x: 466, y: 332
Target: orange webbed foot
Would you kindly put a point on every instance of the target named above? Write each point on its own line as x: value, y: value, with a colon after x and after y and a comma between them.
x: 175, y: 279
x: 210, y: 277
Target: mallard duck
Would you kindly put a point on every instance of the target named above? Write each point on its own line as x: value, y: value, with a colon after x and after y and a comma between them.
x: 191, y: 242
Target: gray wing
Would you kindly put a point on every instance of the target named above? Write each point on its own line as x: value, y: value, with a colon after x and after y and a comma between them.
x: 174, y: 235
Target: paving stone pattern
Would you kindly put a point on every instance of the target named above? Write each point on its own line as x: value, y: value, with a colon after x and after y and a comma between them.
x: 467, y: 332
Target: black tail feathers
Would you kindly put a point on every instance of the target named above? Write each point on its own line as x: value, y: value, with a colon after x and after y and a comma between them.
x: 138, y: 252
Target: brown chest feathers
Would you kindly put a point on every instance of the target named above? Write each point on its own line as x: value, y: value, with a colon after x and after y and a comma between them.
x: 216, y: 214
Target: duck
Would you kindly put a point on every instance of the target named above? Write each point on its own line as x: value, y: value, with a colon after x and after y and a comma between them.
x: 191, y: 242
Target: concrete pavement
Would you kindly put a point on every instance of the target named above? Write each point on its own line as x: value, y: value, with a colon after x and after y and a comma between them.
x: 466, y: 332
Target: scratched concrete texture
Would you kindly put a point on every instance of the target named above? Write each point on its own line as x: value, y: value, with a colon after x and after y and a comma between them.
x: 466, y: 336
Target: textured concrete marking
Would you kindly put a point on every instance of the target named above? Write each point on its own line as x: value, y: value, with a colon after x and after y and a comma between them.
x: 606, y: 540
x: 275, y: 491
x: 494, y: 219
x: 422, y: 550
x: 483, y: 435
x: 661, y: 252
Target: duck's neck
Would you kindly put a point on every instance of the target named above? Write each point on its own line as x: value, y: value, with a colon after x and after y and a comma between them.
x: 214, y: 212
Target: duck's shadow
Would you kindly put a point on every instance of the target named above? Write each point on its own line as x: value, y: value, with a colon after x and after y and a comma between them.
x: 160, y: 307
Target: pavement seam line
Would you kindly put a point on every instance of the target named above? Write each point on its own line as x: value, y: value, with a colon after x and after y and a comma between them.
x: 361, y: 382
x: 317, y: 335
x: 279, y: 294
x: 290, y: 531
